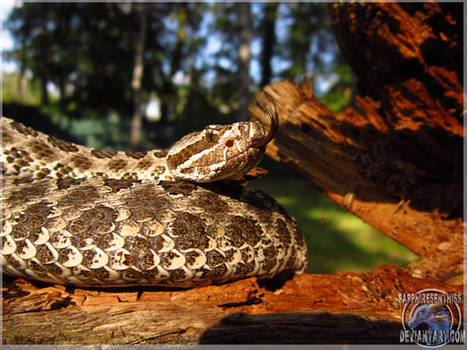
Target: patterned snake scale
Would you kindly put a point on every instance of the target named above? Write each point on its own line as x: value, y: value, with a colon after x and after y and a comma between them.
x: 87, y: 217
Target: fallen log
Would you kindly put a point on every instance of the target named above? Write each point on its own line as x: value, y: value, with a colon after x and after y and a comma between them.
x: 310, y: 308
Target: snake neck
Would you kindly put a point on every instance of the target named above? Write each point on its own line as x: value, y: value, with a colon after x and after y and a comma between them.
x: 30, y: 153
x: 218, y: 152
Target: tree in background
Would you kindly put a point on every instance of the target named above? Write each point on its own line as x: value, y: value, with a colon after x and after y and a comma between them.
x: 201, y: 61
x: 136, y: 83
x: 310, y: 46
x: 244, y: 56
x: 268, y: 28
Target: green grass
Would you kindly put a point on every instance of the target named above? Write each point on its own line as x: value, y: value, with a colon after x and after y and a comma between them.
x: 337, y: 240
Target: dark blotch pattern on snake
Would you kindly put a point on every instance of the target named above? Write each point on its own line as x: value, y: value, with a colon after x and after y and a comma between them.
x: 80, y: 216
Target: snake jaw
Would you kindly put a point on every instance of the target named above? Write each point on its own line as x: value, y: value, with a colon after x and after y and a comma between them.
x: 218, y: 152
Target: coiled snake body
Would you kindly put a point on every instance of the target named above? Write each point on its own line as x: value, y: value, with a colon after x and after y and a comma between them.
x: 87, y: 217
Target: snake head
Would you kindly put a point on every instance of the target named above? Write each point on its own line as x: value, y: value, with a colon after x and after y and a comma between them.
x: 219, y: 152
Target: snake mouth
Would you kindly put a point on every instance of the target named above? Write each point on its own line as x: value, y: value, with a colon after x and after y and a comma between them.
x: 234, y: 166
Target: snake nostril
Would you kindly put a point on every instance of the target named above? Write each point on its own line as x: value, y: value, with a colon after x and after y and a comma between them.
x: 229, y: 143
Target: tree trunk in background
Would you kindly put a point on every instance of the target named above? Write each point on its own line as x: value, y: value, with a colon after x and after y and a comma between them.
x: 137, y: 122
x: 244, y: 55
x: 44, y: 92
x: 175, y: 64
x: 176, y: 61
x: 395, y: 158
x: 269, y: 40
x: 23, y: 87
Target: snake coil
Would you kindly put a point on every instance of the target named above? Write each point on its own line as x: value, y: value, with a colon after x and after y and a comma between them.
x: 89, y: 217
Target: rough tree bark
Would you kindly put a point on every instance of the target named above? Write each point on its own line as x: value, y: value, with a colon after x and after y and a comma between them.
x: 393, y: 159
x: 340, y: 308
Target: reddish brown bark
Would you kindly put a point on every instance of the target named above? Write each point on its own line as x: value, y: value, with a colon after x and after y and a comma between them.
x: 340, y: 308
x: 394, y: 158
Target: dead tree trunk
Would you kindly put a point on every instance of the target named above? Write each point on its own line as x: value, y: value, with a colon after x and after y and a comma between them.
x: 394, y: 158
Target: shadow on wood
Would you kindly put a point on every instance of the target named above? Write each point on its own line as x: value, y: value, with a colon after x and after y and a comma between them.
x: 301, y: 328
x: 343, y: 307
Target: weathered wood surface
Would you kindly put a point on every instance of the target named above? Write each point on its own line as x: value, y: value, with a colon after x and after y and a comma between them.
x: 394, y: 159
x: 339, y: 308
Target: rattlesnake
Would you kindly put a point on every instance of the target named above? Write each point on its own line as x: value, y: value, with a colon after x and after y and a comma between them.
x: 88, y: 217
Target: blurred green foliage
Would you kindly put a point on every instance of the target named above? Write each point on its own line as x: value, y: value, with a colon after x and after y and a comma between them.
x: 79, y: 58
x: 337, y: 240
x: 341, y: 93
x: 11, y: 89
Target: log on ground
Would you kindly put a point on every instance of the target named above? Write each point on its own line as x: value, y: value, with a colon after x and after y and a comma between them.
x: 309, y: 308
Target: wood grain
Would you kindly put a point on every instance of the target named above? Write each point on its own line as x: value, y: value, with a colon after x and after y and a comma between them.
x: 310, y: 308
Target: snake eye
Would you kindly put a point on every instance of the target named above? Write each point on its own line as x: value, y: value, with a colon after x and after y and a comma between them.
x: 212, y: 135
